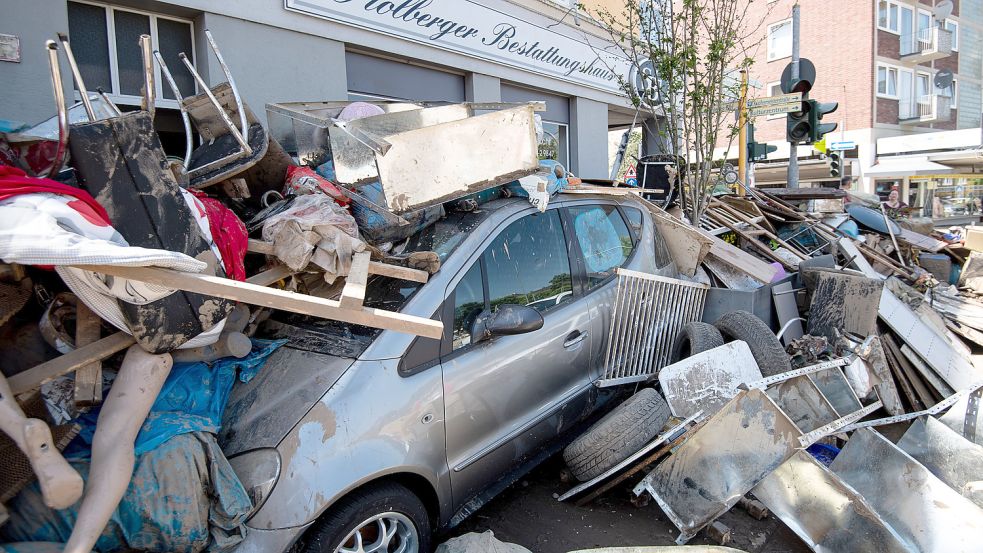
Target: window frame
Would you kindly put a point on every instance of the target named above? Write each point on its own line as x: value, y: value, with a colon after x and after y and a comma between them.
x: 918, y: 28
x: 888, y: 69
x: 888, y: 4
x: 953, y: 26
x: 566, y: 142
x: 127, y: 99
x: 774, y: 56
x: 925, y: 99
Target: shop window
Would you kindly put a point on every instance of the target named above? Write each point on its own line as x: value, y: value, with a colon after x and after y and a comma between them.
x: 105, y: 43
x: 780, y: 40
x: 555, y: 143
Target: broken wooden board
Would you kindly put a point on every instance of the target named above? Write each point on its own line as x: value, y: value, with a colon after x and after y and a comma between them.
x: 920, y: 241
x: 855, y: 258
x: 843, y: 303
x: 375, y: 267
x: 88, y: 378
x: 730, y: 277
x: 353, y: 294
x: 891, y: 354
x: 80, y: 357
x: 686, y: 244
x: 928, y: 375
x: 742, y: 261
x: 275, y: 299
x: 957, y: 371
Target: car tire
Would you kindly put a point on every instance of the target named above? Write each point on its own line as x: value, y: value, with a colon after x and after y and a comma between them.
x: 618, y: 435
x: 362, y: 509
x: 764, y: 345
x: 695, y: 337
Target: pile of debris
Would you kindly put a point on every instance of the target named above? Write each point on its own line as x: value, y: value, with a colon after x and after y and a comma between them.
x: 160, y: 257
x: 830, y: 374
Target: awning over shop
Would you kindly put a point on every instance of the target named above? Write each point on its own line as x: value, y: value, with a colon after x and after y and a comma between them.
x: 906, y: 167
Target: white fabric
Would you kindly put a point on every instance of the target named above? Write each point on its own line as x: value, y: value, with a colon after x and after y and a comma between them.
x: 43, y: 229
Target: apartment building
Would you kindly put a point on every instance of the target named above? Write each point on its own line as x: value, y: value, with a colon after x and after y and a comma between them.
x: 896, y: 68
x: 318, y: 50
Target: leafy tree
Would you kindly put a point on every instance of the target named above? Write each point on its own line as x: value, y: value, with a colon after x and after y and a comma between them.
x: 687, y: 54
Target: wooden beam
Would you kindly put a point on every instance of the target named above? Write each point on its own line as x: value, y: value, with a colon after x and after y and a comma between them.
x: 269, y: 276
x: 375, y: 267
x: 353, y: 294
x: 259, y: 246
x: 765, y: 250
x: 276, y: 299
x: 88, y: 378
x: 80, y: 357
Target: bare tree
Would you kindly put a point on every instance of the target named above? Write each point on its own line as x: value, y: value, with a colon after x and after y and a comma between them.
x: 687, y: 56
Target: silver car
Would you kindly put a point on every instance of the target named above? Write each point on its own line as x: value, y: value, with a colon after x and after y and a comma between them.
x: 354, y: 439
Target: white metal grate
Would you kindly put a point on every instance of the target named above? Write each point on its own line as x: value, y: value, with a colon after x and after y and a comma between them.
x: 648, y: 312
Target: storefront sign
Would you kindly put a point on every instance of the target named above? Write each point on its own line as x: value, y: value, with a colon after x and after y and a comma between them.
x: 470, y: 28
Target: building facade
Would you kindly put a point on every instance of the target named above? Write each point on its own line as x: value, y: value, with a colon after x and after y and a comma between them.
x: 896, y: 68
x: 322, y: 50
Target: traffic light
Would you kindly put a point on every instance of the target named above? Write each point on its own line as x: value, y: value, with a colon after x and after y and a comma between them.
x: 755, y: 150
x: 798, y: 124
x: 819, y: 109
x: 834, y: 160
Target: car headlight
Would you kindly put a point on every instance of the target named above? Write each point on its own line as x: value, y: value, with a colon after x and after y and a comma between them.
x: 258, y: 471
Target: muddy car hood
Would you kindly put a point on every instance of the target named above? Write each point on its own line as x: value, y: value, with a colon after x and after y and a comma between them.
x: 260, y: 413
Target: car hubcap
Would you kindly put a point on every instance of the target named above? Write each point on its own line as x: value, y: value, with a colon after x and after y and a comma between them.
x: 384, y: 533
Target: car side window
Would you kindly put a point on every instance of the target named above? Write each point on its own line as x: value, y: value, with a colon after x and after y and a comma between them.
x: 527, y: 264
x: 634, y: 216
x: 469, y: 301
x: 604, y: 240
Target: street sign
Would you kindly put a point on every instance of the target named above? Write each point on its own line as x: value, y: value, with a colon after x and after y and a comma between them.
x: 842, y: 145
x: 631, y: 177
x: 774, y: 105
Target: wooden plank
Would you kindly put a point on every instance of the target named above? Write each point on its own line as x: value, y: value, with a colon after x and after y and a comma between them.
x: 965, y: 331
x: 921, y: 241
x: 756, y: 222
x: 731, y: 278
x: 742, y: 261
x: 276, y: 299
x: 857, y: 259
x: 764, y: 249
x: 686, y: 244
x: 353, y: 294
x: 269, y: 276
x: 802, y: 194
x: 259, y: 246
x: 395, y: 271
x: 88, y: 378
x: 49, y: 370
x: 892, y: 362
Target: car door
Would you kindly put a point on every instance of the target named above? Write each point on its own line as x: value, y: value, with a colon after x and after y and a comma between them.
x: 507, y: 396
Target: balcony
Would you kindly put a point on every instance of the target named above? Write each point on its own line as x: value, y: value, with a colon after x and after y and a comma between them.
x: 933, y: 108
x: 926, y: 45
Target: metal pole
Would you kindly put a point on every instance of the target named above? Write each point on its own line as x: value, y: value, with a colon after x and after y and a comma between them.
x: 742, y: 139
x: 793, y: 154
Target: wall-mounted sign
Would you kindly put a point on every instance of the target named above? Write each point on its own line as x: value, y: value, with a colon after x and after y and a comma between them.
x: 10, y: 48
x: 470, y: 28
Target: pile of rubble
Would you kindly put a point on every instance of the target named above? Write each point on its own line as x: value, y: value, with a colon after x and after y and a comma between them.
x: 830, y: 379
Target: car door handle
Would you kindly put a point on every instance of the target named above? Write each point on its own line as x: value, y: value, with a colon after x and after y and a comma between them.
x: 575, y: 338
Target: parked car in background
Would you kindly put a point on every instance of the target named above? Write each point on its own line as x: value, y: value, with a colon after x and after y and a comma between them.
x: 354, y: 439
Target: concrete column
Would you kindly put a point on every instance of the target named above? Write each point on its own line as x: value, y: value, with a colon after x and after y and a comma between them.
x: 27, y: 96
x: 589, y: 138
x: 482, y: 88
x: 283, y: 73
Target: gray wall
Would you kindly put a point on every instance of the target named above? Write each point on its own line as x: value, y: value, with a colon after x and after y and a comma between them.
x: 589, y: 138
x: 25, y: 87
x: 270, y: 64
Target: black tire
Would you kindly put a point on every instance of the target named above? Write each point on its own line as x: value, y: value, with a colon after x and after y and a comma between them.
x: 764, y: 345
x: 351, y: 511
x: 695, y: 337
x: 618, y: 435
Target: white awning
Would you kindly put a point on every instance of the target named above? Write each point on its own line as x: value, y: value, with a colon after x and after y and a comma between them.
x: 906, y: 167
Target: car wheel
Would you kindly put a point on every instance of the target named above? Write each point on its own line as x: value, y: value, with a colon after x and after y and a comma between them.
x: 695, y: 337
x: 614, y: 438
x: 764, y: 345
x: 387, y: 518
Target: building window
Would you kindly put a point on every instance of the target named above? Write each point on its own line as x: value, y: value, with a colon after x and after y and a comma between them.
x: 105, y: 43
x: 953, y: 27
x: 924, y: 26
x: 555, y: 144
x: 887, y: 81
x: 780, y: 40
x: 951, y: 92
x: 887, y: 16
x: 924, y: 90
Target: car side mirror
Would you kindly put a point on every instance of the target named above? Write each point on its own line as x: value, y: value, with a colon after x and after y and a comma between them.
x: 508, y: 320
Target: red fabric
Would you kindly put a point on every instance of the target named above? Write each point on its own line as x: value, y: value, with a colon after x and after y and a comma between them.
x: 229, y: 235
x: 301, y: 180
x: 14, y: 182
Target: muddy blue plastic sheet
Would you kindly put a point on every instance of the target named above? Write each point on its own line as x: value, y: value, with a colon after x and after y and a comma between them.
x: 184, y: 497
x: 192, y: 400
